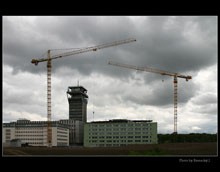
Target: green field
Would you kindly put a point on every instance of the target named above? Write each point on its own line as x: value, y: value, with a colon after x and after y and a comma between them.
x: 172, y: 149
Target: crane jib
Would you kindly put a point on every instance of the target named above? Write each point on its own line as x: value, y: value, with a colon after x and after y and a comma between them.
x: 83, y: 50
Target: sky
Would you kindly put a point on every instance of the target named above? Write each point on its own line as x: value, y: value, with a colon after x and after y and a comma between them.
x: 179, y: 44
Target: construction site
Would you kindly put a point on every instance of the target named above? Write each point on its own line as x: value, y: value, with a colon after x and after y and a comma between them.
x: 77, y: 136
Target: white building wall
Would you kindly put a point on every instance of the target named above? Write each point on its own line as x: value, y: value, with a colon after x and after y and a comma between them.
x: 54, y: 136
x: 36, y: 136
x: 62, y: 137
x: 8, y: 134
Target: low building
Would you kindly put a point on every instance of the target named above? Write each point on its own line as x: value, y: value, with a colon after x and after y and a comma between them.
x: 119, y: 132
x: 34, y: 133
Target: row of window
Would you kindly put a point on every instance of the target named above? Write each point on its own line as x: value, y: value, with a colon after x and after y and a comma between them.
x: 119, y: 125
x: 62, y: 135
x: 62, y: 139
x: 119, y: 129
x: 24, y: 139
x: 119, y: 141
x: 37, y: 135
x: 120, y: 133
x: 109, y: 145
x: 63, y: 129
x: 61, y: 132
x: 36, y: 143
x: 118, y: 137
x: 29, y: 131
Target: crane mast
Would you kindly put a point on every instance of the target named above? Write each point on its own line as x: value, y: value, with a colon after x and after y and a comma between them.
x: 49, y: 67
x: 162, y: 72
x: 49, y: 129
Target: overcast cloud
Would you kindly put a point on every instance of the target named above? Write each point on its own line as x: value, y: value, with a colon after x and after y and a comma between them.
x: 185, y: 44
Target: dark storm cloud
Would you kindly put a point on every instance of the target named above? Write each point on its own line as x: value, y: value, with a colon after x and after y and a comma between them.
x: 160, y: 93
x: 156, y: 46
x: 170, y: 49
x: 182, y: 44
x: 84, y: 29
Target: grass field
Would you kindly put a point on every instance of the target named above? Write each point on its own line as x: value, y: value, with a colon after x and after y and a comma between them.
x: 146, y: 150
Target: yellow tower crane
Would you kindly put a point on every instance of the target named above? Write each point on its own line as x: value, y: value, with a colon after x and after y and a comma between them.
x: 162, y: 72
x: 49, y: 67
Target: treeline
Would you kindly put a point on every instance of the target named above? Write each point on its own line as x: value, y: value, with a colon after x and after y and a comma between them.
x: 192, y: 137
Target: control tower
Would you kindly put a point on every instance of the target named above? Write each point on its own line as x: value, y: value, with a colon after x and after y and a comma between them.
x: 78, y: 98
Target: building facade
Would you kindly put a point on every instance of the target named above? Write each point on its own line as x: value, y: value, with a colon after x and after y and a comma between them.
x: 34, y: 133
x: 75, y: 131
x: 120, y: 132
x: 77, y: 98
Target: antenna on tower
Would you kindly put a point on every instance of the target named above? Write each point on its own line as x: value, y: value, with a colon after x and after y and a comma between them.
x: 77, y: 82
x: 93, y: 111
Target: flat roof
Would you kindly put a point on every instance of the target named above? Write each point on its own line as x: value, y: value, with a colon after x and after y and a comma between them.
x: 81, y: 87
x: 120, y: 121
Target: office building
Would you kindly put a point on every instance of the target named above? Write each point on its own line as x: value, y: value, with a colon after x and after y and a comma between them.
x: 34, y: 133
x: 119, y: 132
